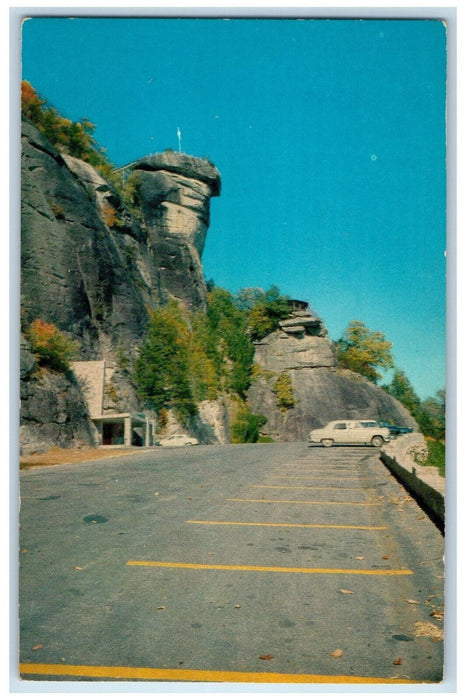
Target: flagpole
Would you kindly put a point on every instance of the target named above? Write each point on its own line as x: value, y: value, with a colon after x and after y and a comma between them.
x: 178, y: 133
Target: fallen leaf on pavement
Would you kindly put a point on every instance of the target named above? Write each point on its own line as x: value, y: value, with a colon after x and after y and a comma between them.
x: 385, y: 557
x: 161, y: 607
x: 413, y: 602
x: 359, y: 558
x: 438, y: 614
x: 428, y: 629
x: 266, y: 657
x: 37, y: 646
x: 78, y: 568
x: 345, y: 590
x: 237, y: 606
x: 336, y: 654
x: 397, y: 662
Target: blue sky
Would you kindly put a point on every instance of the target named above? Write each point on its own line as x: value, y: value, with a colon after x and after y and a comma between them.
x: 329, y: 136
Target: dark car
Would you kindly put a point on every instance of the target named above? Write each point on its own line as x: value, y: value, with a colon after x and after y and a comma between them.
x: 394, y: 429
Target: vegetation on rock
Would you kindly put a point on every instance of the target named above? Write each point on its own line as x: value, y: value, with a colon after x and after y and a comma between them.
x: 283, y: 389
x: 266, y: 312
x: 51, y: 348
x: 74, y: 138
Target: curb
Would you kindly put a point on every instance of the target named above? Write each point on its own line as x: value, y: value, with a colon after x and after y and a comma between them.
x: 428, y: 498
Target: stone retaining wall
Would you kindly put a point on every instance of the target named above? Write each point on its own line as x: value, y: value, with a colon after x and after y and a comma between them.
x: 424, y: 484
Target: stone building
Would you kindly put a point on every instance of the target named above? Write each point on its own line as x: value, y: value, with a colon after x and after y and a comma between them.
x: 113, y: 428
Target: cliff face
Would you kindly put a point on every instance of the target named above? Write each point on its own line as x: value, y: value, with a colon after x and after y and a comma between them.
x: 321, y: 391
x: 93, y: 266
x: 174, y: 191
x: 89, y: 264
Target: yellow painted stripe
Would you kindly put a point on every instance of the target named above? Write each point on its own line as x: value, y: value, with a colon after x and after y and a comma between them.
x: 273, y: 569
x: 315, y: 488
x: 313, y: 503
x: 325, y: 476
x: 177, y: 674
x: 336, y: 527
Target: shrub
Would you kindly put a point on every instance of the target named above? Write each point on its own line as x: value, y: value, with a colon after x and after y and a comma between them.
x: 50, y: 346
x: 283, y: 390
x: 109, y: 216
x: 246, y: 427
x: 435, y: 456
x: 268, y: 309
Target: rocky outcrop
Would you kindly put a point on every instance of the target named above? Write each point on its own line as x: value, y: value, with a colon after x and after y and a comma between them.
x: 92, y: 266
x: 321, y: 391
x: 95, y: 266
x: 77, y: 260
x: 174, y: 192
x: 53, y: 410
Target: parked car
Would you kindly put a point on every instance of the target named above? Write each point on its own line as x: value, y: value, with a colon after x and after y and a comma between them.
x: 395, y: 429
x: 351, y: 432
x: 178, y: 440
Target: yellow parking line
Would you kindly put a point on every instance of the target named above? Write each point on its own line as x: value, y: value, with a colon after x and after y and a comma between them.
x: 312, y: 503
x: 177, y: 674
x: 324, y: 476
x: 272, y: 569
x: 336, y: 527
x: 315, y: 488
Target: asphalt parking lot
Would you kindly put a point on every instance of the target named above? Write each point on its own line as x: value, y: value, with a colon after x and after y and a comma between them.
x: 271, y: 563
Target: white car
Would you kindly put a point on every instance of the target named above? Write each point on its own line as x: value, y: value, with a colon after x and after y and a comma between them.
x: 178, y: 440
x: 351, y: 432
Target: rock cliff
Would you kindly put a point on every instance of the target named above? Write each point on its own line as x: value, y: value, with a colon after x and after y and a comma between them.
x: 94, y: 265
x: 174, y: 192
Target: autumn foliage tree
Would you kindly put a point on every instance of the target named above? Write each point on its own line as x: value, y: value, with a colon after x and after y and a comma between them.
x: 363, y: 351
x: 52, y: 348
x: 74, y: 138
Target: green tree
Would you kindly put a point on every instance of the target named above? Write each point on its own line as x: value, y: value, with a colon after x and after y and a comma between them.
x: 401, y: 388
x: 266, y: 313
x: 161, y: 372
x: 228, y: 341
x: 363, y: 351
x: 431, y: 416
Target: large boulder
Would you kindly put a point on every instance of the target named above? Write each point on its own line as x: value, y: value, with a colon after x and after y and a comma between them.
x: 321, y: 391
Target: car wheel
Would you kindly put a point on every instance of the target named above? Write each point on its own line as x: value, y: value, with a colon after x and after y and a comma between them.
x: 377, y: 441
x: 327, y: 442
